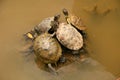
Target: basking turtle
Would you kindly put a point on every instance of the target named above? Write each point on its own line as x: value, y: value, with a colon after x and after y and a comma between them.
x: 47, y: 49
x: 68, y: 36
x: 74, y: 20
x: 44, y: 26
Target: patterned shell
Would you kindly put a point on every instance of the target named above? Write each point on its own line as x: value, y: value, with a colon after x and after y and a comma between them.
x: 47, y: 49
x: 69, y: 36
x: 76, y: 21
x: 44, y: 26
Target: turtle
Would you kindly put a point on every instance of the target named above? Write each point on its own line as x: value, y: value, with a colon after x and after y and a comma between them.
x: 46, y: 49
x: 68, y: 36
x: 74, y: 20
x: 42, y: 27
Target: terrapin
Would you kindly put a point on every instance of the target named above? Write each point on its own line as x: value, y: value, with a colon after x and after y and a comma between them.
x: 74, y: 20
x: 47, y: 49
x: 68, y: 36
x: 44, y: 26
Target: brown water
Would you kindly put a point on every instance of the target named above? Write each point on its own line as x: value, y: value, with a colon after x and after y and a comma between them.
x: 19, y: 16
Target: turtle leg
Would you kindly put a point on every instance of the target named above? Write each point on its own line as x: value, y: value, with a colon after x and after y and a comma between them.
x: 52, y: 69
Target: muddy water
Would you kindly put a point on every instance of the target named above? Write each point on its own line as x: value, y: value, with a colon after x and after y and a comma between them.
x: 103, y: 30
x: 18, y: 17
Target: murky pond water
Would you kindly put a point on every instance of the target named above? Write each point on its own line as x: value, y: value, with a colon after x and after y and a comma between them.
x: 19, y: 16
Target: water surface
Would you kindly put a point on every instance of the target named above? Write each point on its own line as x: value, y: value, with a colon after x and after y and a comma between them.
x: 19, y: 16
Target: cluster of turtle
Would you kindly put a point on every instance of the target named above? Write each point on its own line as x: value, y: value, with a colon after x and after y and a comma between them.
x: 49, y: 37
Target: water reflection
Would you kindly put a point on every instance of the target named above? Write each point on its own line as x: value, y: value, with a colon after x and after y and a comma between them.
x: 86, y: 70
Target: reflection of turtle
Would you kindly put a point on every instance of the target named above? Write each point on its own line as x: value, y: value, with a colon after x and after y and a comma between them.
x: 74, y: 20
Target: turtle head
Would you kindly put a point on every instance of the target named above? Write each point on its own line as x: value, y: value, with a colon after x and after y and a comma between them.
x: 54, y: 24
x: 65, y: 12
x: 57, y: 17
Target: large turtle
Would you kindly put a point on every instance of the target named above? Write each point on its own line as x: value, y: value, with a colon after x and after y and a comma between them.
x: 47, y: 49
x: 68, y: 36
x: 74, y: 20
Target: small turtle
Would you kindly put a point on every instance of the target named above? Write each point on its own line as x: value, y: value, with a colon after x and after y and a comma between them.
x: 68, y: 36
x: 74, y: 20
x: 47, y: 49
x: 44, y: 26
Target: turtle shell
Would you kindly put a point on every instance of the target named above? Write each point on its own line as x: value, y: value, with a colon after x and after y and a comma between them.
x: 47, y: 49
x: 69, y: 36
x: 45, y: 24
x: 76, y: 22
